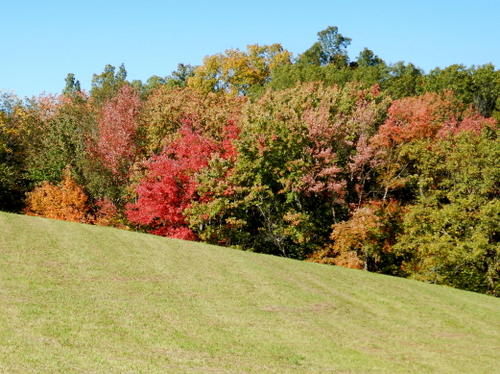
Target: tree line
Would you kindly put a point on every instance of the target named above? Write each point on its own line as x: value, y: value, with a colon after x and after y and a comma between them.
x: 319, y: 157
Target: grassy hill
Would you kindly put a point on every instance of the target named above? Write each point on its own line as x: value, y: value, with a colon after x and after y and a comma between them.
x: 84, y: 299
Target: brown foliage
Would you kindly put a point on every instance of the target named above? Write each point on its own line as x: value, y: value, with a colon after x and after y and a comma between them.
x: 365, y: 240
x: 107, y: 214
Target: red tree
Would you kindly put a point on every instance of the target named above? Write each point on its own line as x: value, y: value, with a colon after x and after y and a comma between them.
x: 170, y: 183
x: 428, y: 116
x: 117, y: 129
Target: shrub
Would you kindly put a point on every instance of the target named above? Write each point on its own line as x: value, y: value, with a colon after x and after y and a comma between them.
x: 66, y: 201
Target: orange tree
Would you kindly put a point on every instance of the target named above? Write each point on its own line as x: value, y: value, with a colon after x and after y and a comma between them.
x: 66, y: 200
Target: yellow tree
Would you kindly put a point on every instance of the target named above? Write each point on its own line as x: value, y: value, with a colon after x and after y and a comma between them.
x: 235, y: 71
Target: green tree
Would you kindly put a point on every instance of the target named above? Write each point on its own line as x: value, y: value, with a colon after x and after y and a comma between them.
x: 456, y: 78
x: 477, y: 85
x: 107, y: 84
x: 12, y: 183
x: 451, y: 232
x: 58, y: 142
x: 331, y: 48
x: 179, y: 77
x: 486, y: 90
x: 404, y: 80
x: 288, y: 76
x: 368, y: 58
x: 72, y: 86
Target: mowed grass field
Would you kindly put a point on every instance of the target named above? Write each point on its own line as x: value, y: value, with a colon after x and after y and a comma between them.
x: 84, y: 299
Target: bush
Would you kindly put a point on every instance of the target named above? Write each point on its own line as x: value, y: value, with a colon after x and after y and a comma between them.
x: 66, y: 201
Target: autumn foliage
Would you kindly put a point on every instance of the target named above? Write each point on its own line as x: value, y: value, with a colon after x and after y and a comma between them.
x: 169, y: 186
x: 366, y: 240
x: 66, y: 201
x: 167, y: 109
x: 107, y: 214
x: 290, y: 178
x: 354, y: 163
x: 116, y: 145
x: 428, y: 116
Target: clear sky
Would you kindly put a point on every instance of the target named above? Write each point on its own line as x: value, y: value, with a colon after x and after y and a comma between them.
x: 42, y: 41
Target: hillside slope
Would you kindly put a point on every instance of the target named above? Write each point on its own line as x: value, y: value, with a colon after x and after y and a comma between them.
x: 86, y: 299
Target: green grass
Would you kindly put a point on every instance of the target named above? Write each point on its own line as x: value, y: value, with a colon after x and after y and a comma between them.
x: 84, y: 299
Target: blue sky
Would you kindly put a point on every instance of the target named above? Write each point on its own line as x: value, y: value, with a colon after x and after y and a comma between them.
x: 42, y: 41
